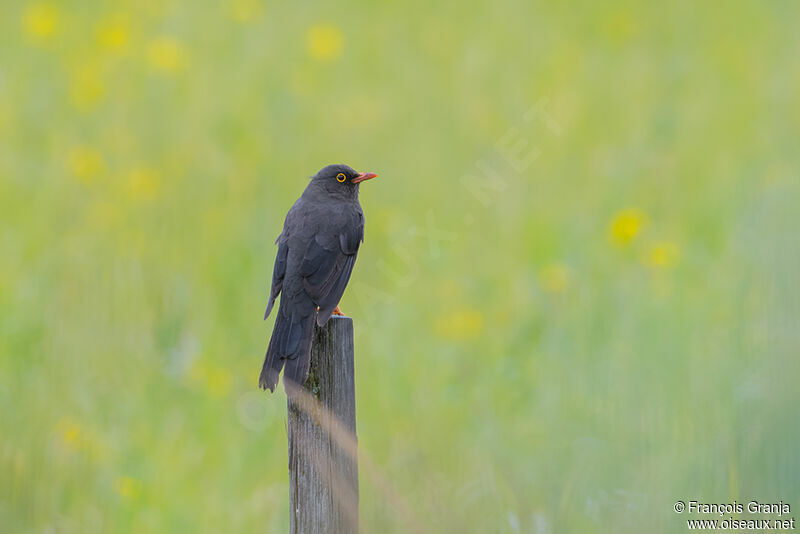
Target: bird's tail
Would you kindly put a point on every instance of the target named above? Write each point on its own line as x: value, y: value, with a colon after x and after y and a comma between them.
x: 290, y: 345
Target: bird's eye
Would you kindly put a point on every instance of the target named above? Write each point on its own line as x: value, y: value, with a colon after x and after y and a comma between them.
x: 341, y: 177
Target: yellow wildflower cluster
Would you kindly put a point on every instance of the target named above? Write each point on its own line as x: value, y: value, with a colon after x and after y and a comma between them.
x: 215, y: 380
x: 85, y: 163
x: 72, y: 436
x: 143, y: 184
x: 113, y: 34
x: 245, y: 11
x: 461, y: 324
x: 325, y: 42
x: 40, y: 21
x: 662, y: 255
x: 128, y: 488
x: 626, y: 226
x: 166, y: 54
x: 86, y: 87
x: 69, y: 432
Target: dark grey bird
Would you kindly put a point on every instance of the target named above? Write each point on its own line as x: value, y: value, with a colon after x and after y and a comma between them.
x: 316, y: 253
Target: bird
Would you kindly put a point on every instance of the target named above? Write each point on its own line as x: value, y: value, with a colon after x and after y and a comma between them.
x: 317, y: 250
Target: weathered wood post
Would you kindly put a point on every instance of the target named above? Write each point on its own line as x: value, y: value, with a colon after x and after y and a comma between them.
x: 323, y: 466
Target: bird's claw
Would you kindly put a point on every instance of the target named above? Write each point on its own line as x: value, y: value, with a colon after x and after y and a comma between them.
x: 337, y: 311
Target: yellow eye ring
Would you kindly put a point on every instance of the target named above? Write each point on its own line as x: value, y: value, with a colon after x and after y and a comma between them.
x: 341, y: 177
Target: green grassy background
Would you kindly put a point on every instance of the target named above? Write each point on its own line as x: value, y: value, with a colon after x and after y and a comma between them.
x: 569, y: 343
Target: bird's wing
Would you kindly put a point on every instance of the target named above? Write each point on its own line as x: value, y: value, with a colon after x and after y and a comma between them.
x: 328, y: 263
x: 278, y: 272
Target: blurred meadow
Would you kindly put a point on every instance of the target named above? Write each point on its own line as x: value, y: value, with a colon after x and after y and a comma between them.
x: 577, y: 301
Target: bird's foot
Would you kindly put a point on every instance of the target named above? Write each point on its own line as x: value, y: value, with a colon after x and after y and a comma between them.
x: 337, y: 311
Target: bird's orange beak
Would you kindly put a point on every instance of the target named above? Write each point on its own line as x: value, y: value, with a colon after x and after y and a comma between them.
x: 363, y: 177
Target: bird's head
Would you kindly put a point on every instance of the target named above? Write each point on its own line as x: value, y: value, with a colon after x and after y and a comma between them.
x: 340, y: 180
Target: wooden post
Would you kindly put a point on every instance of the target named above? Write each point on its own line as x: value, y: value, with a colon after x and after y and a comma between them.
x: 323, y: 467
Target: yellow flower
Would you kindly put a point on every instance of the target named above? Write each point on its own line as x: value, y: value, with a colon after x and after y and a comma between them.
x: 662, y: 255
x: 166, y: 54
x: 218, y: 382
x: 113, y: 35
x: 128, y: 488
x: 143, y: 183
x: 74, y: 437
x: 325, y: 42
x: 86, y: 88
x: 554, y: 278
x: 626, y: 225
x: 215, y: 380
x: 40, y: 20
x: 69, y: 433
x: 85, y: 163
x: 244, y: 11
x: 462, y: 324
